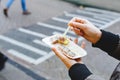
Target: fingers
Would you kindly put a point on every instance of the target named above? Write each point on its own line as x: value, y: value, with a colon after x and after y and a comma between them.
x: 63, y: 57
x: 80, y: 20
x: 78, y: 60
x: 77, y: 22
x: 83, y: 44
x: 77, y: 25
x: 58, y: 52
x: 54, y: 50
x: 78, y: 31
x: 76, y: 40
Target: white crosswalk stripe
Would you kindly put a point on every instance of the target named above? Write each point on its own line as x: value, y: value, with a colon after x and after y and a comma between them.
x: 94, y: 20
x: 60, y: 20
x: 103, y: 11
x: 95, y: 15
x: 20, y: 55
x: 111, y: 23
x: 32, y: 33
x: 39, y: 42
x: 53, y: 27
x: 99, y: 18
x: 42, y: 59
x: 23, y: 45
x: 66, y: 21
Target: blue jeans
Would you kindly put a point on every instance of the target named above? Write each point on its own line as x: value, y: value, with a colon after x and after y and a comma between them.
x: 23, y: 3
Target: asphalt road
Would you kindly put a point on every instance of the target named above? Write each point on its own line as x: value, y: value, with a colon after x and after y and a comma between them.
x: 51, y: 68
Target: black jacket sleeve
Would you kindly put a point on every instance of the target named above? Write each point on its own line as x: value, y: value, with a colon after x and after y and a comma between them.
x: 79, y: 72
x: 109, y: 43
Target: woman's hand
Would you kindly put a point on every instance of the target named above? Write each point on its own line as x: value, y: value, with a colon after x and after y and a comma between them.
x: 67, y: 61
x: 85, y: 29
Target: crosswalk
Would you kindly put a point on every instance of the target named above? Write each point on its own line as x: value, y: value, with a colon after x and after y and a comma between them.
x: 25, y: 43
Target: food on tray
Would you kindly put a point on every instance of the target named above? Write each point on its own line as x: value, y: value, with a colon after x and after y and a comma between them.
x: 61, y: 40
x: 67, y: 52
x: 68, y: 47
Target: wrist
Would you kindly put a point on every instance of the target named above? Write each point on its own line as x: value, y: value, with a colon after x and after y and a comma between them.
x: 79, y: 72
x: 98, y: 36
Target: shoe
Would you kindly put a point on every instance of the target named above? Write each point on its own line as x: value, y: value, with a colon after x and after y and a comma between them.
x: 3, y: 60
x: 5, y: 12
x: 26, y: 13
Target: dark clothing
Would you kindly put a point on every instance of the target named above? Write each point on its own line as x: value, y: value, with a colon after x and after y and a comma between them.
x: 78, y: 70
x: 3, y: 60
x: 109, y: 43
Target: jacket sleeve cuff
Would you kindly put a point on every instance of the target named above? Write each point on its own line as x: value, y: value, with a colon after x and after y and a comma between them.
x: 79, y: 72
x: 108, y: 42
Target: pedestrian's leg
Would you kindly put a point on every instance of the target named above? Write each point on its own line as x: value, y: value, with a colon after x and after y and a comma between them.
x: 23, y: 3
x: 9, y: 3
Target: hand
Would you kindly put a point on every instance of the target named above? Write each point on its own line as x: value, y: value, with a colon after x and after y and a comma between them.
x: 67, y: 61
x: 85, y: 29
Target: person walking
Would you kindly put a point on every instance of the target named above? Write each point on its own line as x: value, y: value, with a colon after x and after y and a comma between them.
x: 104, y: 40
x: 10, y: 2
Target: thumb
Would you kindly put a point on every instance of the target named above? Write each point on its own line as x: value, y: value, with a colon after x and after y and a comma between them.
x: 54, y: 50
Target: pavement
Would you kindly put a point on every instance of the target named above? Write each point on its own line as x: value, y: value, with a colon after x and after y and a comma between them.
x: 50, y: 68
x: 41, y: 10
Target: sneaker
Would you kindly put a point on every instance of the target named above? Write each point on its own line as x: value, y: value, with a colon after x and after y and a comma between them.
x: 26, y: 13
x: 3, y: 60
x: 5, y: 12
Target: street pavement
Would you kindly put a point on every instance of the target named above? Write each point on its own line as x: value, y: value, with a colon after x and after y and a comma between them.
x: 41, y: 10
x: 30, y: 59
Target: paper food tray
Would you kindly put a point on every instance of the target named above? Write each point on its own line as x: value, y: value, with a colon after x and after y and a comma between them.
x: 71, y: 50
